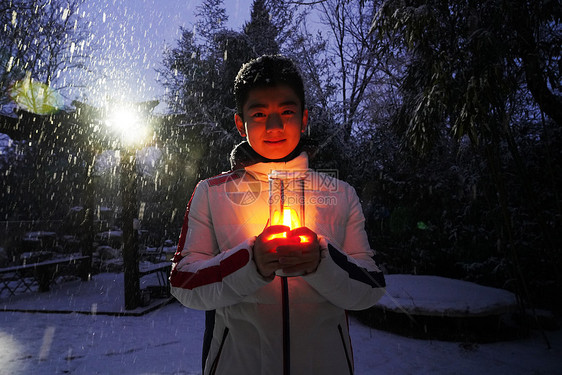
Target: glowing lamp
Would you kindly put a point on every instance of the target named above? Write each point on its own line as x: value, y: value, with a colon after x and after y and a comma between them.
x: 289, y: 218
x: 286, y: 201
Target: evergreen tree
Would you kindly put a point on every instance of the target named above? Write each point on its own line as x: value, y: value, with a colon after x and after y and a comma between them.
x: 211, y: 19
x: 261, y: 33
x: 199, y: 74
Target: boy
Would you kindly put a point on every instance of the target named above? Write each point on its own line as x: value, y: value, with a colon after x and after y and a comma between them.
x: 258, y: 322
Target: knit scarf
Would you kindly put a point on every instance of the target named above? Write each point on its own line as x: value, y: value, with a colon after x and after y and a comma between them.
x: 243, y: 155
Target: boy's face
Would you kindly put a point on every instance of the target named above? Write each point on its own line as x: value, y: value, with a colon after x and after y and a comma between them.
x: 273, y: 121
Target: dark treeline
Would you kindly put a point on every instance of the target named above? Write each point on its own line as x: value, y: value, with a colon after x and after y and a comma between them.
x: 445, y: 116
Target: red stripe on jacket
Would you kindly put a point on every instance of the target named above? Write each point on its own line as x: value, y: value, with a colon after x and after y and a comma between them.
x: 183, y: 233
x: 224, y: 178
x: 209, y: 275
x: 213, y: 181
x: 190, y: 280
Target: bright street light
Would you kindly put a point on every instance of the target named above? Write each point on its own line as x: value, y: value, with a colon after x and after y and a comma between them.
x: 128, y: 125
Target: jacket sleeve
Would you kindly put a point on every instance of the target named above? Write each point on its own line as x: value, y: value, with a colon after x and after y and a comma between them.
x: 347, y: 275
x: 203, y: 276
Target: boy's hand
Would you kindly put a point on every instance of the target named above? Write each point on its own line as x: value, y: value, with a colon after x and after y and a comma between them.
x: 265, y: 256
x: 300, y: 253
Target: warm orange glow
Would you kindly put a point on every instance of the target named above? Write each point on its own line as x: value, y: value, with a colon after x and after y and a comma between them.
x: 277, y: 235
x: 288, y: 218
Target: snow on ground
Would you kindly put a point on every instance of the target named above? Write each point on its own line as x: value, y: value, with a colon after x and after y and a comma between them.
x: 168, y: 341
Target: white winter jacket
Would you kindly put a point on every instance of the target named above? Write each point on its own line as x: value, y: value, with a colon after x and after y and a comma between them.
x: 295, y: 324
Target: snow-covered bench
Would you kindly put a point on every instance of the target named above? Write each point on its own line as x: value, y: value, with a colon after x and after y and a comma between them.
x: 24, y: 277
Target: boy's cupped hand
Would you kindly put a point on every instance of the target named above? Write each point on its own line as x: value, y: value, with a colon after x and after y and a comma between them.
x: 293, y: 251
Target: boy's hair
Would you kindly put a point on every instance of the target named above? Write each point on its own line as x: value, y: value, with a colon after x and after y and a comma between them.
x: 267, y: 71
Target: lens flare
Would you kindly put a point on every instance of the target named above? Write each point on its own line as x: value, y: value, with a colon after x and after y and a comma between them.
x: 35, y: 97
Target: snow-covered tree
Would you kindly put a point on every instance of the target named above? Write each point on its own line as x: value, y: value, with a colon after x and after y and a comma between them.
x: 39, y: 39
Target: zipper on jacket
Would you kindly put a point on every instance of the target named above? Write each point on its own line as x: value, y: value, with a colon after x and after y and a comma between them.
x: 349, y: 364
x: 286, y: 327
x: 216, y: 361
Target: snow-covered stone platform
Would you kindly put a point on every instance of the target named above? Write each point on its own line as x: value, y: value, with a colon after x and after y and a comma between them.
x: 442, y: 308
x: 440, y: 296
